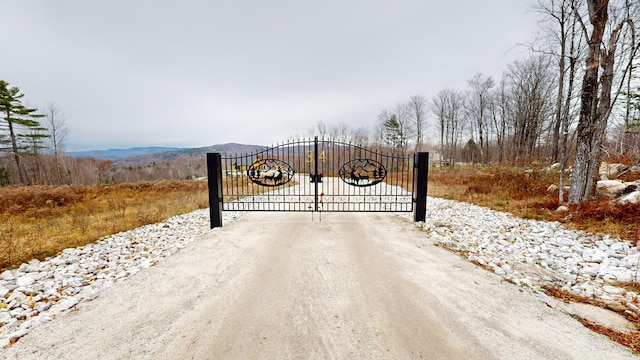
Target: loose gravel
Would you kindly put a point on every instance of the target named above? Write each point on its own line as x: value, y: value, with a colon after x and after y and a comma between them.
x: 537, y: 254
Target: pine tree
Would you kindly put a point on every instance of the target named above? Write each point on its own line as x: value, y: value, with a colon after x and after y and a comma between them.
x: 393, y: 134
x: 20, y: 125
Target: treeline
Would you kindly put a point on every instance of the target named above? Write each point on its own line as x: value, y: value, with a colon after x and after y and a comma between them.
x: 575, y: 99
x: 47, y: 169
x: 533, y: 112
x: 32, y: 151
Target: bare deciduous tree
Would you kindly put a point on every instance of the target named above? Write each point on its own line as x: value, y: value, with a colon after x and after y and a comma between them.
x: 531, y: 91
x: 500, y: 115
x: 418, y: 110
x: 55, y: 123
x: 596, y: 100
x: 447, y: 107
x: 558, y: 22
x: 478, y: 108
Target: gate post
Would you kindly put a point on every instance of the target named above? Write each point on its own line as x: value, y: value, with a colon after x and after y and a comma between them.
x: 214, y: 180
x: 420, y: 175
x: 315, y: 173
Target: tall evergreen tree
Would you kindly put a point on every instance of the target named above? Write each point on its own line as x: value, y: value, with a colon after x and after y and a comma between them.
x: 393, y: 134
x: 19, y: 123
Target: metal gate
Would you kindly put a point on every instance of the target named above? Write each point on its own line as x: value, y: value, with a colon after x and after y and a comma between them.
x: 318, y: 175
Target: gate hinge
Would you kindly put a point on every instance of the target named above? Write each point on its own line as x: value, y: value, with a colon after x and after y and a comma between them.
x: 316, y: 178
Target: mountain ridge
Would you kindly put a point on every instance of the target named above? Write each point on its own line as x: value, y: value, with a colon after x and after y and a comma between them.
x: 144, y: 155
x: 115, y: 154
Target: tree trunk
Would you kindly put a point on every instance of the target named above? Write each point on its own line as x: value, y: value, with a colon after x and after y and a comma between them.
x: 588, y: 117
x: 603, y: 110
x: 555, y: 138
x: 16, y: 154
x: 565, y: 123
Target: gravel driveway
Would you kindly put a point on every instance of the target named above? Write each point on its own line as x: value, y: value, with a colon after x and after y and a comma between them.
x: 279, y: 285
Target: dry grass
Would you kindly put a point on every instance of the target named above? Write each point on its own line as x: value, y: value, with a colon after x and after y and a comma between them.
x: 40, y: 221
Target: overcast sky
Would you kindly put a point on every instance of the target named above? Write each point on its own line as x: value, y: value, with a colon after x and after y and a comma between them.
x: 198, y: 73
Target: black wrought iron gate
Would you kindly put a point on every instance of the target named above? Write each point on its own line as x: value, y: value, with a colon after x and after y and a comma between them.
x: 318, y: 175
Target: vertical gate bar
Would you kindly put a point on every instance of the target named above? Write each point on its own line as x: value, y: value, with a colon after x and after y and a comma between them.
x: 301, y: 171
x: 315, y: 163
x: 309, y: 164
x: 226, y: 165
x: 267, y: 193
x: 214, y: 181
x: 236, y: 184
x: 405, y: 179
x: 420, y: 175
x: 302, y: 148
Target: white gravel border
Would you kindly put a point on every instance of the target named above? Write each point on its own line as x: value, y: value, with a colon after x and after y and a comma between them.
x: 38, y: 291
x: 535, y: 253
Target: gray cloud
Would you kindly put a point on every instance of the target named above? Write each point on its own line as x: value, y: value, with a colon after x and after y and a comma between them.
x: 195, y: 73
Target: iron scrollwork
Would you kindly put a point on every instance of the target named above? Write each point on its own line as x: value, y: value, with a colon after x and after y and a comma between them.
x: 362, y: 172
x: 270, y: 172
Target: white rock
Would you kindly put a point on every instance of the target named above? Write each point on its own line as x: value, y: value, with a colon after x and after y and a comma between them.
x: 614, y: 290
x: 64, y: 305
x: 7, y: 275
x: 631, y: 198
x: 4, y: 317
x: 610, y: 187
x: 25, y: 280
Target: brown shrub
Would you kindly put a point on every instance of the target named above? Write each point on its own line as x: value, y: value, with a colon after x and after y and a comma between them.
x: 21, y: 198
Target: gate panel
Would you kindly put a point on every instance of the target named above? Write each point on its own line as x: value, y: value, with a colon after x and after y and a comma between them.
x: 275, y: 179
x: 318, y: 175
x: 361, y: 179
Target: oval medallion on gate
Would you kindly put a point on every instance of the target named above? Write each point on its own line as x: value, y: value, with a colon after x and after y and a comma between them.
x: 270, y: 172
x: 362, y: 172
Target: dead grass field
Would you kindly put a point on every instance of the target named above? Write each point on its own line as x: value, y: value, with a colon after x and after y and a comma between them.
x: 40, y: 221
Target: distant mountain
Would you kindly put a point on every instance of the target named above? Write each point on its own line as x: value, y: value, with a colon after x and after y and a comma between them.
x: 115, y: 154
x: 157, y: 157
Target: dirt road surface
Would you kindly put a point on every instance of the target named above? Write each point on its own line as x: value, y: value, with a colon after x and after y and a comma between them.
x: 279, y: 286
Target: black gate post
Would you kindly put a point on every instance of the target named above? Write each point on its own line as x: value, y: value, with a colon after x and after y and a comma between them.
x: 214, y: 180
x: 420, y: 175
x: 315, y: 173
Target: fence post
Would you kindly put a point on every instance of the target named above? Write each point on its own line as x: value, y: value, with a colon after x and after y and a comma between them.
x: 420, y: 175
x: 315, y: 173
x: 214, y: 180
